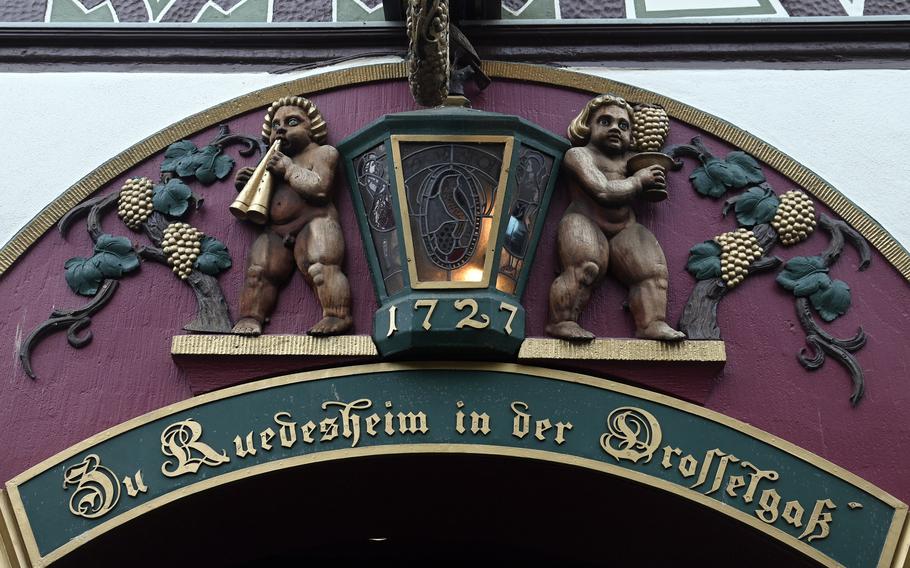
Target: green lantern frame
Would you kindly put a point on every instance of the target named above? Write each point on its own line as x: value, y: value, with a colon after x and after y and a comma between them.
x: 470, y: 308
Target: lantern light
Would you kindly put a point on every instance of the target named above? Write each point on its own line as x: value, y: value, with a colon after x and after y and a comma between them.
x: 451, y: 202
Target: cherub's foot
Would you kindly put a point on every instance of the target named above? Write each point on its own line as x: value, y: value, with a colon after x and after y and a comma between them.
x: 569, y: 330
x: 661, y: 331
x: 331, y: 325
x: 247, y: 326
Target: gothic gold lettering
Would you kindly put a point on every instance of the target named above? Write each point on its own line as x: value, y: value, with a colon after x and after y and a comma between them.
x: 736, y: 481
x: 722, y: 464
x: 389, y: 420
x: 480, y: 423
x: 372, y: 421
x: 768, y: 504
x: 754, y: 478
x: 541, y: 427
x: 307, y: 431
x: 287, y: 430
x: 411, y: 423
x: 393, y: 326
x: 242, y: 450
x: 688, y: 466
x: 561, y: 429
x: 512, y: 311
x: 431, y: 304
x: 350, y: 421
x: 468, y: 320
x: 459, y: 418
x: 97, y: 488
x: 328, y: 427
x: 135, y: 485
x: 181, y: 441
x: 668, y: 451
x: 793, y: 513
x: 265, y: 439
x: 819, y: 520
x: 521, y: 424
x: 632, y: 434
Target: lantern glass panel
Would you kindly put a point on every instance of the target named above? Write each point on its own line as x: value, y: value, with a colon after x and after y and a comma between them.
x: 376, y: 192
x: 451, y: 190
x: 531, y: 178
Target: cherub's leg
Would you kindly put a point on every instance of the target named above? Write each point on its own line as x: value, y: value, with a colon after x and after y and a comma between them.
x: 319, y: 252
x: 639, y: 263
x: 583, y: 255
x: 269, y: 265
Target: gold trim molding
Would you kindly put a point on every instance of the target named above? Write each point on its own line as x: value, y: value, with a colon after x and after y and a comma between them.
x: 624, y: 350
x: 271, y: 345
x: 796, y: 172
x: 531, y: 348
x: 12, y: 550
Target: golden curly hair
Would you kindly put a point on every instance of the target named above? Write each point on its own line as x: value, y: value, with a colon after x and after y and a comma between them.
x: 580, y: 133
x: 318, y: 129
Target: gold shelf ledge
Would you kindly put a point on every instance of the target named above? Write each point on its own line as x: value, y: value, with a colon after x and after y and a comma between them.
x: 624, y: 350
x: 272, y: 345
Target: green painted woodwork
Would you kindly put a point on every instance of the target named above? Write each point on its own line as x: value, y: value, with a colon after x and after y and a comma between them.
x: 75, y: 11
x: 760, y: 8
x: 519, y: 411
x: 243, y: 11
x: 442, y: 339
x: 444, y: 335
x: 354, y: 11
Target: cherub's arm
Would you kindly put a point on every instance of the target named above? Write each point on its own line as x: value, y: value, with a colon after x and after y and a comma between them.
x: 610, y: 191
x: 313, y: 183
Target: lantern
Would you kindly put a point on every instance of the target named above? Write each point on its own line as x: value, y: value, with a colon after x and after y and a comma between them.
x: 451, y: 202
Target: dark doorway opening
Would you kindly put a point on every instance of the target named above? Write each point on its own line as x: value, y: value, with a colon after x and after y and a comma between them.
x: 434, y: 510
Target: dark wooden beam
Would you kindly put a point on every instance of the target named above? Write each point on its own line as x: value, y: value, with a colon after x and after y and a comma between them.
x: 820, y: 43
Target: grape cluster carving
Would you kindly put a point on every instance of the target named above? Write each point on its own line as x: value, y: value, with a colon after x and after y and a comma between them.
x: 135, y: 203
x: 650, y: 127
x: 739, y: 249
x: 795, y: 218
x: 181, y: 244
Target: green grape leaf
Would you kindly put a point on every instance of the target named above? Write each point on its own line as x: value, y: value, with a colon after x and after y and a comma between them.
x: 705, y: 184
x: 808, y: 285
x: 756, y: 206
x: 83, y: 275
x: 223, y: 166
x: 729, y: 175
x: 205, y: 171
x: 188, y: 164
x: 172, y: 198
x: 748, y: 165
x: 174, y: 152
x: 114, y: 256
x: 214, y: 257
x: 812, y: 269
x: 833, y: 301
x: 704, y: 260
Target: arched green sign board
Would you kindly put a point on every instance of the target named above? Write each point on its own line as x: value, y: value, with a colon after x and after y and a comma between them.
x: 806, y: 503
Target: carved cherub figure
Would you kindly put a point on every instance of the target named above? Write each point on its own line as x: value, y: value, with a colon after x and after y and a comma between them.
x: 303, y: 227
x: 599, y: 232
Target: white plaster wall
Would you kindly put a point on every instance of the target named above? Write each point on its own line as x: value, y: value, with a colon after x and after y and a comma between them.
x: 848, y: 126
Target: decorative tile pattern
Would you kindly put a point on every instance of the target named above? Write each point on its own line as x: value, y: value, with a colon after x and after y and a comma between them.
x: 358, y: 11
x: 887, y: 8
x: 297, y: 11
x: 703, y: 8
x: 571, y: 9
x: 245, y: 11
x: 802, y: 8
